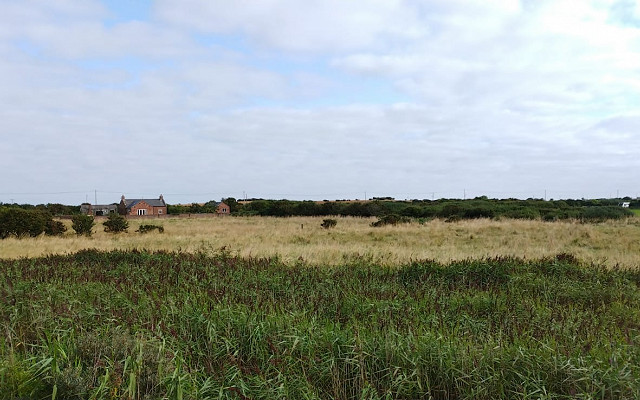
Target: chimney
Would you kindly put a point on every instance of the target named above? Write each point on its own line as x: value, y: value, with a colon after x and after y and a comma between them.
x: 161, y: 198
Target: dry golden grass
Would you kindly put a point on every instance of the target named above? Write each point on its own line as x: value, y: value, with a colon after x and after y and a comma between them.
x: 302, y: 238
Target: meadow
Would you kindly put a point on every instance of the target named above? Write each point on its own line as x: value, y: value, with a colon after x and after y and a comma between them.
x: 302, y: 238
x: 281, y: 308
x: 139, y: 325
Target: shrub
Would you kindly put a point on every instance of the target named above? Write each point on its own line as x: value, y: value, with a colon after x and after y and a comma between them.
x: 115, y: 224
x: 82, y: 224
x: 328, y: 223
x: 453, y: 218
x: 19, y: 222
x: 478, y: 212
x: 54, y: 228
x: 599, y: 214
x: 149, y: 228
x: 390, y: 219
x: 523, y: 213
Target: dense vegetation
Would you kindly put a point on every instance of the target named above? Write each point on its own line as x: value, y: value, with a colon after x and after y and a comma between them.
x: 54, y: 209
x: 453, y: 209
x: 83, y: 224
x: 19, y: 222
x: 172, y: 325
x: 115, y: 223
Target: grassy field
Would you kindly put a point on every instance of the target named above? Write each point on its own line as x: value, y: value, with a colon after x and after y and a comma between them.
x: 302, y: 238
x: 280, y: 308
x: 137, y: 325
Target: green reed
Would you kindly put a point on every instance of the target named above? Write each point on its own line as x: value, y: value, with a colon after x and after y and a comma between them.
x: 142, y: 325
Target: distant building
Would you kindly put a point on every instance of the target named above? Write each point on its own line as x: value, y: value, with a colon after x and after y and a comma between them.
x: 625, y: 204
x: 98, y: 209
x: 142, y: 206
x: 222, y: 209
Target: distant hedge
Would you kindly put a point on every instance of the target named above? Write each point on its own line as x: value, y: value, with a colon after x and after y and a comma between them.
x: 447, y: 209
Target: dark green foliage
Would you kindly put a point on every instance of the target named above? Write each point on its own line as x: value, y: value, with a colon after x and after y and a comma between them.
x: 148, y: 228
x: 391, y: 219
x: 21, y: 222
x: 82, y: 224
x: 115, y: 223
x: 54, y: 209
x: 328, y: 223
x: 169, y: 325
x: 452, y: 209
x: 55, y: 228
x: 599, y: 214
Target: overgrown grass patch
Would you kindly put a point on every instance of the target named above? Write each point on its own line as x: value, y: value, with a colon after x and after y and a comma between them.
x: 136, y: 324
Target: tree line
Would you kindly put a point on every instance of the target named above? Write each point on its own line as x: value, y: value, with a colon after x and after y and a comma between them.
x: 451, y: 209
x: 30, y: 220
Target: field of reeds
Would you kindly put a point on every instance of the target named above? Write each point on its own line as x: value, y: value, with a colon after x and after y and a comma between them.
x: 143, y: 325
x: 294, y: 238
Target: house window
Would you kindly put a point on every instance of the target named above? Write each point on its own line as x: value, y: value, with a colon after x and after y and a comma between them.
x: 142, y: 211
x: 159, y: 211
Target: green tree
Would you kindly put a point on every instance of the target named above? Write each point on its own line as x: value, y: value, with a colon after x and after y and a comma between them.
x: 23, y: 222
x: 115, y: 224
x: 82, y: 224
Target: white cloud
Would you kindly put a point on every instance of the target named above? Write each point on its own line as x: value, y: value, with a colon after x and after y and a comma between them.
x: 310, y: 26
x: 516, y: 96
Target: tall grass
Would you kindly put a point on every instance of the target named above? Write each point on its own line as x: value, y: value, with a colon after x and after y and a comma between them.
x: 609, y: 243
x: 136, y: 324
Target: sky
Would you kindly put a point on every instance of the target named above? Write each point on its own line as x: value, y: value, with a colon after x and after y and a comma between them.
x: 318, y: 99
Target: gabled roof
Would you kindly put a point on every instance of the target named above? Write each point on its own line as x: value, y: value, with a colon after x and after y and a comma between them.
x: 152, y: 202
x: 128, y: 203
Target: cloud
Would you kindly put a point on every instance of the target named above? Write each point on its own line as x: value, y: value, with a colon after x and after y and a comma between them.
x: 310, y: 26
x: 322, y: 99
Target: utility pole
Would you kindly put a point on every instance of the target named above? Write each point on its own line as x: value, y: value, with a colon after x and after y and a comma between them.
x: 545, y: 195
x: 95, y: 199
x: 464, y: 196
x: 365, y: 195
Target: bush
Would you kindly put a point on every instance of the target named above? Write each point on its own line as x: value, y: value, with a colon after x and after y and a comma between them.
x: 328, y: 223
x: 599, y: 214
x: 54, y: 228
x: 19, y: 222
x: 82, y: 224
x: 149, y: 228
x: 391, y: 219
x: 478, y: 212
x: 115, y: 224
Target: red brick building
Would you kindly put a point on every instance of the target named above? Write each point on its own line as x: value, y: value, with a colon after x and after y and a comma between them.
x: 142, y: 206
x: 222, y: 209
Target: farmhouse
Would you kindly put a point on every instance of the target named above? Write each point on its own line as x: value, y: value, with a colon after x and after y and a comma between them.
x: 142, y: 206
x: 625, y: 204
